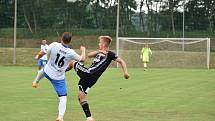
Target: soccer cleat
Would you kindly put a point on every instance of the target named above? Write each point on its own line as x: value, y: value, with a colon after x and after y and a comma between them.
x: 59, y: 119
x: 34, y: 84
x: 90, y: 119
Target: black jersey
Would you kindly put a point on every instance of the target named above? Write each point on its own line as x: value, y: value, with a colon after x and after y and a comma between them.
x: 89, y: 76
x: 99, y: 65
x: 101, y: 62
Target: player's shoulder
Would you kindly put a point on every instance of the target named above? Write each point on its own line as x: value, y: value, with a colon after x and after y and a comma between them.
x: 111, y: 52
x: 54, y: 44
x: 71, y: 51
x: 112, y: 55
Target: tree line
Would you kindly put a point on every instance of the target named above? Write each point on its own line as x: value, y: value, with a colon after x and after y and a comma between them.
x: 153, y: 16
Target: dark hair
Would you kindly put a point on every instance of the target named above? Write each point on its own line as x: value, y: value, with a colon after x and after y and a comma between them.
x: 66, y: 37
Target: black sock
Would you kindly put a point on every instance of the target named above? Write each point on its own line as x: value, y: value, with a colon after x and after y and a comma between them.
x: 86, y: 108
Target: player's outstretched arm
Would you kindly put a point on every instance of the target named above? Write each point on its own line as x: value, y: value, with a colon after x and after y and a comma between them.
x: 150, y: 51
x: 124, y: 67
x: 92, y: 54
x: 83, y: 53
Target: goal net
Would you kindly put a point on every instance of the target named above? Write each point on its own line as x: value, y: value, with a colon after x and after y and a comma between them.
x: 166, y: 52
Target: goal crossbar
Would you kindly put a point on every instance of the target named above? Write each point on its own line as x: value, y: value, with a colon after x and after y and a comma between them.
x: 182, y: 41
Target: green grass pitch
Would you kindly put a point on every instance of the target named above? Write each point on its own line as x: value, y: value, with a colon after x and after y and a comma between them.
x: 153, y: 95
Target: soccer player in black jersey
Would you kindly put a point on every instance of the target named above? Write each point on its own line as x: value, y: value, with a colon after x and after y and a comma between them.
x: 89, y: 76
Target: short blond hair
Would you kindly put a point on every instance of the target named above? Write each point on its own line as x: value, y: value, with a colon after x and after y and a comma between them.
x: 107, y: 39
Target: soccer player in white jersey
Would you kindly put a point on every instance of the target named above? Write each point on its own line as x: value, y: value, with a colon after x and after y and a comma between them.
x: 59, y: 55
x: 43, y: 60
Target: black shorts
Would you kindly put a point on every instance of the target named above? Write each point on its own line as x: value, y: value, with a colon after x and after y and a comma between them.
x: 87, y: 79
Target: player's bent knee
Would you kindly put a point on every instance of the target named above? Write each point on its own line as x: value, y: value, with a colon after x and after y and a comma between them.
x: 72, y: 62
x: 81, y: 98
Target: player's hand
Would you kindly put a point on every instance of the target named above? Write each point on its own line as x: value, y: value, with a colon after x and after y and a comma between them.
x: 36, y: 57
x: 34, y: 84
x: 82, y: 48
x: 126, y: 76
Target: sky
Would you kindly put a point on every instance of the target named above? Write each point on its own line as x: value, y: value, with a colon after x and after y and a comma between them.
x: 144, y: 9
x: 138, y: 7
x: 154, y: 7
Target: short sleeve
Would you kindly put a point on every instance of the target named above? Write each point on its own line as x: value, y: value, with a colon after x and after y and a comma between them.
x: 44, y: 48
x: 142, y: 50
x: 50, y: 47
x: 112, y: 55
x: 75, y: 56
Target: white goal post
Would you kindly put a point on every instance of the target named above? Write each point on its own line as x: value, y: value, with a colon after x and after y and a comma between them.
x: 167, y: 52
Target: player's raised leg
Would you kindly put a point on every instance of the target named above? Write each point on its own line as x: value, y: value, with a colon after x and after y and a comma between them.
x: 71, y: 65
